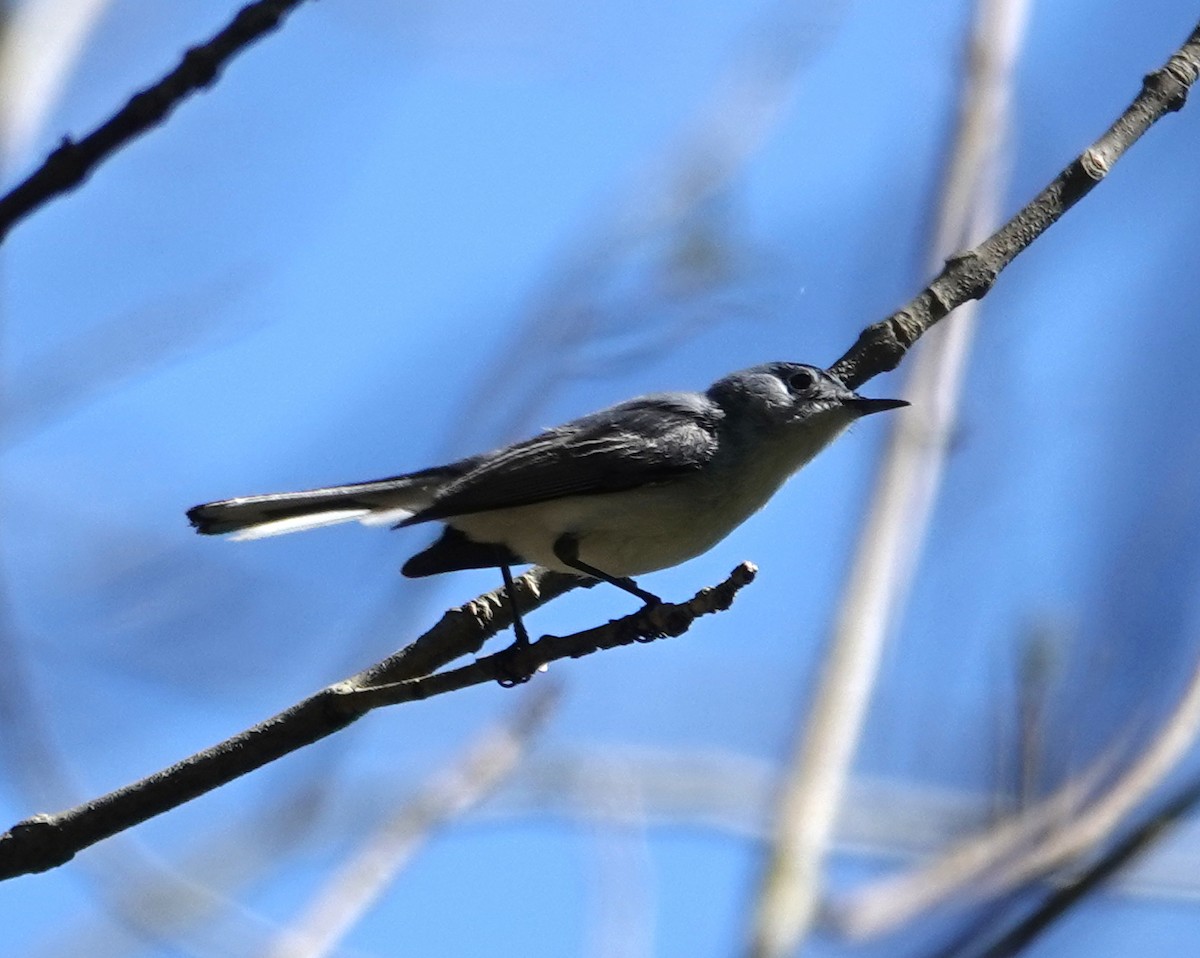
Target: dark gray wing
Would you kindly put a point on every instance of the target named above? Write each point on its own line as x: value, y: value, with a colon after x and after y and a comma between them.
x: 636, y: 443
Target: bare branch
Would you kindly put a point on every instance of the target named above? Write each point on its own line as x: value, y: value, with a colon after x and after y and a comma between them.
x: 970, y: 275
x: 74, y: 160
x: 666, y: 620
x: 46, y: 841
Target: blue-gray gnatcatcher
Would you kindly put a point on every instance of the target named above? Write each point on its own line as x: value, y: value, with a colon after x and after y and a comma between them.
x: 639, y: 486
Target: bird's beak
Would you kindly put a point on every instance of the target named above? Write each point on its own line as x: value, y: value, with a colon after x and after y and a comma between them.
x: 864, y: 407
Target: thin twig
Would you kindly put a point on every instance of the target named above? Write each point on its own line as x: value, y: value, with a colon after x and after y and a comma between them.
x: 74, y: 160
x: 893, y: 532
x: 970, y: 275
x: 46, y: 841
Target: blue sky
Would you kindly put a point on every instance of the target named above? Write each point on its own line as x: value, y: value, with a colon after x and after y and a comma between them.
x: 387, y: 238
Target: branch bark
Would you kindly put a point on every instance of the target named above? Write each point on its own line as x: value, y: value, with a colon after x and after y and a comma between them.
x: 971, y: 274
x: 74, y: 160
x: 46, y: 841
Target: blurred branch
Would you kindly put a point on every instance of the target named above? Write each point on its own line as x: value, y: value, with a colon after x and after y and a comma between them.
x: 729, y: 795
x: 634, y: 284
x: 1103, y: 817
x: 1038, y: 653
x: 354, y: 888
x: 1059, y: 902
x: 74, y: 161
x: 1003, y: 859
x: 888, y: 904
x: 970, y: 275
x: 622, y: 914
x: 194, y: 900
x: 894, y: 530
x: 40, y: 43
x: 46, y: 841
x: 146, y: 340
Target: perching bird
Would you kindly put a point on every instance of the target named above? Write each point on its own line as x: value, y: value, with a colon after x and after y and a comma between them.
x: 640, y: 486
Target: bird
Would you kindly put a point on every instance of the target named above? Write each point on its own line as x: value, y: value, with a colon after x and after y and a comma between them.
x: 631, y: 489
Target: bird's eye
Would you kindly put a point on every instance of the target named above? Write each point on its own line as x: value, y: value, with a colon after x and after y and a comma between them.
x: 801, y: 380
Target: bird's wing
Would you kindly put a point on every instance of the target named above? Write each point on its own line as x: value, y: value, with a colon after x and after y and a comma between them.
x: 636, y: 443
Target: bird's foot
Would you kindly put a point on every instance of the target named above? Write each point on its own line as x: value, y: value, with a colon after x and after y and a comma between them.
x: 516, y: 665
x: 660, y: 620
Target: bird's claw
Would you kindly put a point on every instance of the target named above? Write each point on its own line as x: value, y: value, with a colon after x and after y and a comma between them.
x: 514, y: 665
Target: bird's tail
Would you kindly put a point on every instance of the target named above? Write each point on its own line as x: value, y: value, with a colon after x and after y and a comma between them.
x: 381, y: 502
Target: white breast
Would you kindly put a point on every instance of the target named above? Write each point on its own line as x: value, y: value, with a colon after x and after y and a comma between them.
x: 652, y: 527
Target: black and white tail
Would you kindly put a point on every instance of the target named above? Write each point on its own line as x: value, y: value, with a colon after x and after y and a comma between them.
x: 382, y: 502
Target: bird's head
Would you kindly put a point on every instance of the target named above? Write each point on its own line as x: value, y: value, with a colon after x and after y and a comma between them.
x: 793, y: 394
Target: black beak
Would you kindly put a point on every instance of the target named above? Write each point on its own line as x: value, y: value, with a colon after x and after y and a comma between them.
x: 864, y: 407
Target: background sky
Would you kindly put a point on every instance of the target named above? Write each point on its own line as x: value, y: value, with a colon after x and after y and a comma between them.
x: 393, y: 234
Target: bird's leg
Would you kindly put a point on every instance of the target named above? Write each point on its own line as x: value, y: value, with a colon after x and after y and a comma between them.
x: 513, y: 673
x: 510, y: 591
x: 566, y: 548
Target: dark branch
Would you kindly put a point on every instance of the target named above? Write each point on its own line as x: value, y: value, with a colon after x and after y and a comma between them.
x: 73, y: 161
x: 666, y: 620
x: 970, y: 275
x: 46, y: 841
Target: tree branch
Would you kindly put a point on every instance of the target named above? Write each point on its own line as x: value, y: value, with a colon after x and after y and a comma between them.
x: 666, y: 620
x: 74, y: 161
x: 970, y: 275
x: 46, y: 841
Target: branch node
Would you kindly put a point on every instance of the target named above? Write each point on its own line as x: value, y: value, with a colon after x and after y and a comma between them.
x: 36, y: 844
x: 1173, y: 81
x: 516, y: 665
x: 64, y: 162
x: 341, y: 703
x: 1094, y: 163
x: 201, y: 66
